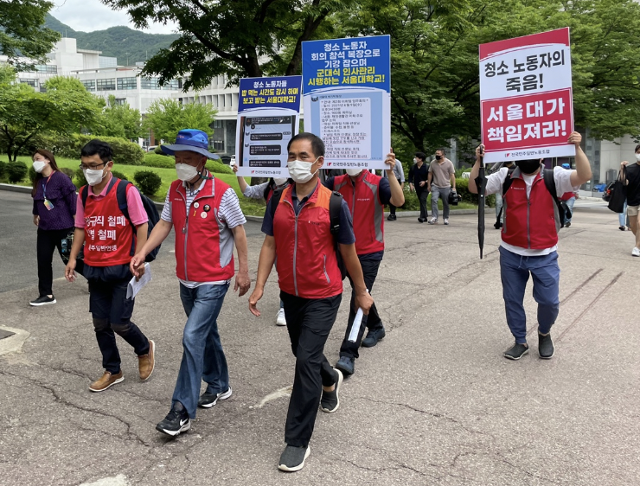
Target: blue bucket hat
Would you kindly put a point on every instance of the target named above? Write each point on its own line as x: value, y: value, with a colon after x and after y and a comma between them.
x: 190, y: 141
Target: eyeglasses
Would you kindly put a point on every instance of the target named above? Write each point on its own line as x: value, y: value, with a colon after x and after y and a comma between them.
x: 91, y: 167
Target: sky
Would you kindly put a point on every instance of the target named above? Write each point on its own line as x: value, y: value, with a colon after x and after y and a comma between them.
x: 90, y: 15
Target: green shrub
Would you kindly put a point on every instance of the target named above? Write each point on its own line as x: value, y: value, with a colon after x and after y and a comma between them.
x: 159, y: 161
x: 462, y: 186
x: 31, y: 172
x: 158, y: 150
x: 124, y: 152
x: 16, y: 171
x: 70, y: 172
x: 148, y: 181
x: 119, y: 175
x: 218, y: 167
x: 411, y: 202
x: 3, y: 169
x: 79, y: 180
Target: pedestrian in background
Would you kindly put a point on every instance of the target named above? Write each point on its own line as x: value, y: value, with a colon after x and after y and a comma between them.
x: 264, y: 192
x: 569, y: 198
x: 418, y: 176
x: 631, y: 172
x: 441, y: 181
x: 54, y: 209
x: 398, y: 173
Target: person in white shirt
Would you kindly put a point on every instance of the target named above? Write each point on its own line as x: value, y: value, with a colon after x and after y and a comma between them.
x: 529, y: 241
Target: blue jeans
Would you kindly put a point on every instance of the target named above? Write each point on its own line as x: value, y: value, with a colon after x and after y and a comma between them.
x: 202, y: 356
x: 570, y: 203
x: 515, y: 270
x: 622, y: 217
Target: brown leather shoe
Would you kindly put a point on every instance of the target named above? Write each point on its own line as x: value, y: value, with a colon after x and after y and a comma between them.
x: 147, y: 362
x: 106, y: 381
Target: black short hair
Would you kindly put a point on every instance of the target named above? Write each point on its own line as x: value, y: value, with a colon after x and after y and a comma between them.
x: 317, y: 145
x: 637, y: 147
x: 95, y: 146
x: 421, y: 155
x: 441, y: 150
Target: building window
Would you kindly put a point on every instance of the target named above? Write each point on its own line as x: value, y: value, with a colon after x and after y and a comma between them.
x: 149, y: 83
x: 127, y: 83
x: 106, y: 84
x: 45, y: 68
x: 30, y: 82
x: 174, y: 85
x: 120, y: 101
x: 90, y: 85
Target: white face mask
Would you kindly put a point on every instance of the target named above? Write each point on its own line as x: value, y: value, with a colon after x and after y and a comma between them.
x: 38, y: 165
x: 186, y: 172
x: 638, y: 157
x: 279, y: 180
x: 354, y: 172
x: 93, y: 176
x: 301, y: 171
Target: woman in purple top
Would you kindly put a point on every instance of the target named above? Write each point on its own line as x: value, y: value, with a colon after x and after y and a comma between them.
x: 54, y: 208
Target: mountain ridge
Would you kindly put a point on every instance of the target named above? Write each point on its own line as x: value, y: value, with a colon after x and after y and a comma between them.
x: 126, y: 44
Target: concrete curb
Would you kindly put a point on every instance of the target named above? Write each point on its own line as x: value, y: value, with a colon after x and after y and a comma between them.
x: 14, y: 188
x: 13, y: 343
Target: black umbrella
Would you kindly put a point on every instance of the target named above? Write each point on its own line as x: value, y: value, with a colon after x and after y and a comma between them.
x: 481, y: 184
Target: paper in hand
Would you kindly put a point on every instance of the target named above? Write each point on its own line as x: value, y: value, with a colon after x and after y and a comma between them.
x: 136, y: 285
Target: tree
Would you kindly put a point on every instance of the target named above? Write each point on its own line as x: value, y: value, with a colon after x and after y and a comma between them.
x: 22, y: 32
x: 166, y: 117
x: 119, y: 121
x: 435, y: 83
x: 239, y: 38
x: 65, y: 107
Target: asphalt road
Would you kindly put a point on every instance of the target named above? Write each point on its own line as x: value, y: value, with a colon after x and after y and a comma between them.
x: 435, y: 403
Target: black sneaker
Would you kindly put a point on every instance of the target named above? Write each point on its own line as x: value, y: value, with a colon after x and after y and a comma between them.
x: 497, y: 225
x: 330, y: 401
x: 176, y: 421
x: 567, y: 224
x: 347, y: 365
x: 43, y: 300
x: 545, y: 346
x: 373, y: 336
x: 208, y: 400
x: 516, y: 352
x: 292, y: 458
x: 422, y: 220
x: 391, y: 217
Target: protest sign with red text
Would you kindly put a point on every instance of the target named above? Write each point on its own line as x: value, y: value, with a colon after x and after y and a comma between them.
x: 526, y: 97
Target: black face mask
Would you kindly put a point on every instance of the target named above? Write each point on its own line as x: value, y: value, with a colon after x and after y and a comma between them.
x: 438, y: 157
x: 528, y: 166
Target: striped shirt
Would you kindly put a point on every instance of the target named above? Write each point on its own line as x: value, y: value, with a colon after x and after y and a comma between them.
x: 229, y: 213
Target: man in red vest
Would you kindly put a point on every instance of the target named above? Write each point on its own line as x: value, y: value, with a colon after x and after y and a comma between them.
x: 109, y: 241
x: 298, y: 232
x: 530, y: 240
x: 366, y: 194
x: 208, y: 222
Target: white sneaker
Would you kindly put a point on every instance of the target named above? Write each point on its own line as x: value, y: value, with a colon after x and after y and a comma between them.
x: 432, y: 221
x: 635, y: 252
x: 282, y: 321
x: 446, y: 221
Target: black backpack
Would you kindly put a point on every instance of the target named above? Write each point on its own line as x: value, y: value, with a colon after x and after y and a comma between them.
x: 335, y: 208
x: 549, y: 182
x: 149, y: 207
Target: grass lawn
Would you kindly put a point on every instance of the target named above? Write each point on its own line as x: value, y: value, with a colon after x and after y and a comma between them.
x: 249, y: 206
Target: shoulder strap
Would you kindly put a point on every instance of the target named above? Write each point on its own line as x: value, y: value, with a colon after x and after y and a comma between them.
x: 547, y: 174
x: 335, y: 207
x: 84, y: 194
x: 275, y: 200
x: 122, y: 199
x: 507, y: 182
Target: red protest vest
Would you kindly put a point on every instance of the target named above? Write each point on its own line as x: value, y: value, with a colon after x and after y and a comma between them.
x: 201, y: 254
x: 529, y: 222
x: 306, y: 257
x: 108, y: 235
x: 366, y: 211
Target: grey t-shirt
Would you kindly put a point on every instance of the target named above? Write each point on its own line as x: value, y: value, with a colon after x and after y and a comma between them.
x: 441, y: 173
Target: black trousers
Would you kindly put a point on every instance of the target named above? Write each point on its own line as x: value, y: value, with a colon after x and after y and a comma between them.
x: 372, y: 321
x: 47, y: 242
x: 111, y: 312
x: 309, y: 322
x: 392, y: 208
x: 422, y: 197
